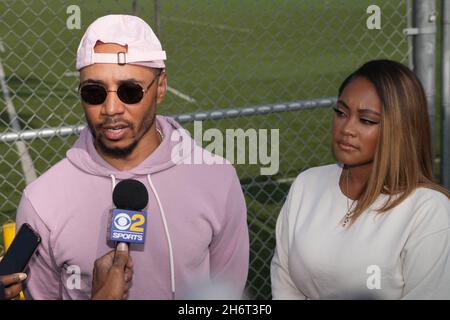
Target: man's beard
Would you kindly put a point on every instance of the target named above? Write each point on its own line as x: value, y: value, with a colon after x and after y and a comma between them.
x: 144, y: 127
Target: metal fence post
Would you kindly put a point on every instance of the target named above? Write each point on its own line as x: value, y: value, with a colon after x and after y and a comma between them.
x: 134, y: 7
x: 445, y: 95
x: 158, y: 18
x: 424, y: 53
x: 409, y: 24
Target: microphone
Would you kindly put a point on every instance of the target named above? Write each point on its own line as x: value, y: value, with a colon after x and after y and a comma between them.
x: 128, y: 223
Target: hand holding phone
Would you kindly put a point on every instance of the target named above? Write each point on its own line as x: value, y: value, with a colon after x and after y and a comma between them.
x: 21, y: 250
x: 11, y: 285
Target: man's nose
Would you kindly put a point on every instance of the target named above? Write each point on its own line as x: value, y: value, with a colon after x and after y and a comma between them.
x: 112, y: 104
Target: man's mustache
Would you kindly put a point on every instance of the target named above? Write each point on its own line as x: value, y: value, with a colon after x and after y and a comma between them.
x: 114, y: 122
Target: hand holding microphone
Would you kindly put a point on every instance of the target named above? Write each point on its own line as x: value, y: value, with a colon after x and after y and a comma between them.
x: 113, y: 272
x: 112, y: 275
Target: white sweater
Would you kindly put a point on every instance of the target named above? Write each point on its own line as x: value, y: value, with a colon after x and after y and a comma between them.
x: 403, y: 254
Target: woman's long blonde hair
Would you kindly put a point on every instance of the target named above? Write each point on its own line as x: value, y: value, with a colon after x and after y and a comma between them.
x: 403, y: 156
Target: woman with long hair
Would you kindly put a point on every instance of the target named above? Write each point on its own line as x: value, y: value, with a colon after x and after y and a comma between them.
x: 375, y: 225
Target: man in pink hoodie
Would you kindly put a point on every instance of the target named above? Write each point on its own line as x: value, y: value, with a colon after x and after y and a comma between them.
x: 196, y: 228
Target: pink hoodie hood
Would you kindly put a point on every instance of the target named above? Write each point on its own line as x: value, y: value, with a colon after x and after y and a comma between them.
x: 84, y: 156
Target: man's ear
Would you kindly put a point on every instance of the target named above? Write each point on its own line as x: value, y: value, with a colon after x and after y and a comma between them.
x: 162, y: 87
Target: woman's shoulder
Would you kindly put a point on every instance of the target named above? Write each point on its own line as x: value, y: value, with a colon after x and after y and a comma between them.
x: 428, y: 196
x: 325, y: 171
x: 316, y: 177
x: 430, y: 207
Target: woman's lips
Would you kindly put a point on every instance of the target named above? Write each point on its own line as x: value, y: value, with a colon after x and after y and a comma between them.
x: 346, y: 146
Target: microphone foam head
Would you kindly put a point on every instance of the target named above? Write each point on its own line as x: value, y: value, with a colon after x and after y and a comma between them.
x: 130, y: 194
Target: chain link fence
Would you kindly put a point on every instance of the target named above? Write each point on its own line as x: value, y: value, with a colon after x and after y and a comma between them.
x: 272, y: 62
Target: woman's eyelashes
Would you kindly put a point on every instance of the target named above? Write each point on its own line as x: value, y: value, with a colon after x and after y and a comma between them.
x: 339, y: 113
x: 366, y: 121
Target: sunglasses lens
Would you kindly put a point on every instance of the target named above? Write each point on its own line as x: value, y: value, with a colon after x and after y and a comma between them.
x: 93, y: 94
x: 130, y: 93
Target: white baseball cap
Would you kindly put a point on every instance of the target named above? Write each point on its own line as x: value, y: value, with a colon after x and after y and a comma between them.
x: 143, y: 46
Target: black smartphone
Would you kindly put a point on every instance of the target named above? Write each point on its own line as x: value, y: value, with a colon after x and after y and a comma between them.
x: 21, y: 250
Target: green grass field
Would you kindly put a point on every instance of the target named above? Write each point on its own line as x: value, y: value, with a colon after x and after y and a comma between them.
x: 224, y: 54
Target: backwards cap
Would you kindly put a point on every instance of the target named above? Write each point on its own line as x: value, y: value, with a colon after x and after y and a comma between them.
x: 143, y: 47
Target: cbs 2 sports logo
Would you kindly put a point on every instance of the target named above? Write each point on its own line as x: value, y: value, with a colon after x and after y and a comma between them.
x: 128, y: 226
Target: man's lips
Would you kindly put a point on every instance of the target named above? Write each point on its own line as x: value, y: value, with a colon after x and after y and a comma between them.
x: 115, y: 132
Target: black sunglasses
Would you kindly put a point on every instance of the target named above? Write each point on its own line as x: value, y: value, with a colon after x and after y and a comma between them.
x: 128, y: 92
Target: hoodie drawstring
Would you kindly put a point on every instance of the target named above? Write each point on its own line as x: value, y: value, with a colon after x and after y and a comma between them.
x: 113, y: 181
x: 166, y: 230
